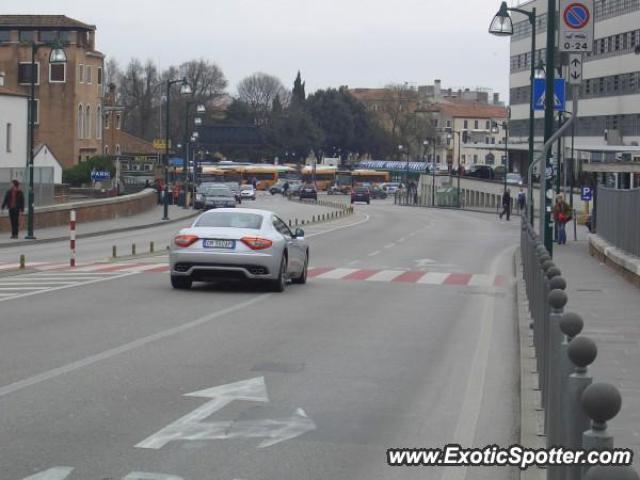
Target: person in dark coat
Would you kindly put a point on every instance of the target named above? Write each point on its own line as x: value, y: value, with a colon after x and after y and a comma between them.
x: 14, y: 201
x: 506, y: 204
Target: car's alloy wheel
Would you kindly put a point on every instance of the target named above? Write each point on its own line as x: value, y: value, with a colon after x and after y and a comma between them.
x: 281, y: 282
x: 302, y: 279
x: 181, y: 283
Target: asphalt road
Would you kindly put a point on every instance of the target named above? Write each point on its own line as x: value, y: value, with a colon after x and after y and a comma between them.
x: 331, y: 374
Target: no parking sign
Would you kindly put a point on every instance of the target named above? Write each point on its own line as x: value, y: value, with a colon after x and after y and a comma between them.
x: 576, y: 26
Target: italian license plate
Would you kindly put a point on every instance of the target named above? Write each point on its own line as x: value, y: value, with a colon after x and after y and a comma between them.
x: 228, y: 244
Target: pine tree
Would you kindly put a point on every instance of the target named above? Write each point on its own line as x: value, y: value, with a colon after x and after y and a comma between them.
x: 298, y: 95
x: 276, y: 108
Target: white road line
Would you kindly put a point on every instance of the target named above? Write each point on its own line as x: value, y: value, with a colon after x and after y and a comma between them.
x: 479, y: 280
x: 127, y: 347
x: 100, y: 266
x: 68, y: 273
x: 373, y: 254
x: 337, y: 273
x: 385, y: 276
x: 434, y: 278
x: 97, y: 280
x: 391, y: 245
x: 12, y: 289
x: 342, y: 227
x: 34, y: 282
x: 150, y: 266
x: 402, y: 240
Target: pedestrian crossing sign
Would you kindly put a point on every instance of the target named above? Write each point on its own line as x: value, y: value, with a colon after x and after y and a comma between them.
x: 539, y: 91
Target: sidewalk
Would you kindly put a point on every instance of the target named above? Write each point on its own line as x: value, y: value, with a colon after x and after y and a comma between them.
x: 147, y: 219
x: 610, y: 308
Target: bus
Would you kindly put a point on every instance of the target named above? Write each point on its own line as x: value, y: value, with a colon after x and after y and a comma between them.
x: 266, y: 175
x: 325, y: 176
x: 373, y: 177
x: 210, y: 173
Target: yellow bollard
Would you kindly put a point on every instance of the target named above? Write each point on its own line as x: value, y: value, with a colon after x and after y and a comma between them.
x: 133, y: 249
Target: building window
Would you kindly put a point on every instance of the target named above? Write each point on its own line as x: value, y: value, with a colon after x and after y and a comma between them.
x: 36, y: 111
x: 5, y: 36
x: 475, y: 159
x: 448, y: 123
x: 476, y: 124
x: 117, y: 149
x: 466, y: 124
x: 48, y: 36
x: 106, y: 149
x: 80, y: 122
x: 99, y: 122
x: 107, y: 120
x: 118, y: 121
x: 8, y: 138
x: 99, y: 76
x: 81, y: 73
x: 57, y: 72
x: 24, y: 73
x: 88, y: 74
x: 27, y: 36
x: 488, y: 126
x: 464, y: 159
x: 87, y: 124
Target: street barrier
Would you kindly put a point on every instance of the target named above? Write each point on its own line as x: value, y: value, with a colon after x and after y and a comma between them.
x: 576, y: 410
x: 72, y: 237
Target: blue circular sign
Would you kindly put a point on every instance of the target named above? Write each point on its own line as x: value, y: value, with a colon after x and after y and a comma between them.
x: 576, y: 16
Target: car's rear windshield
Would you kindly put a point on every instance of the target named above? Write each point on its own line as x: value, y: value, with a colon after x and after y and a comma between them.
x: 230, y: 220
x: 217, y: 192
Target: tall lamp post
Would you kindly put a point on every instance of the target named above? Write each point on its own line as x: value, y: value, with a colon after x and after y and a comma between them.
x: 503, y: 26
x: 57, y: 56
x: 200, y: 110
x: 185, y: 89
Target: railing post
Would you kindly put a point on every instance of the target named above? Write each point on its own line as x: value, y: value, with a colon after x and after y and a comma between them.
x: 582, y: 352
x: 601, y: 402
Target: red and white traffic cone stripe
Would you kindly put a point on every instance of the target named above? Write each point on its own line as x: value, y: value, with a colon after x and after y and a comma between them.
x: 72, y: 237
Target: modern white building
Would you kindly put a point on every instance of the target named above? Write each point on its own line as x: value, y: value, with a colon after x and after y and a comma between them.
x: 609, y: 108
x: 13, y: 128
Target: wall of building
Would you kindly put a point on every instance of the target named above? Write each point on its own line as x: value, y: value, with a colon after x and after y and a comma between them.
x: 13, y: 111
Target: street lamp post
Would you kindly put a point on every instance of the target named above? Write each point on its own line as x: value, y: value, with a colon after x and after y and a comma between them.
x: 503, y: 26
x: 200, y: 110
x: 56, y: 56
x: 185, y: 89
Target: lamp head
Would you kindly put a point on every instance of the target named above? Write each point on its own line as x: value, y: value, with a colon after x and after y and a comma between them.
x: 501, y: 25
x: 185, y: 88
x: 57, y: 55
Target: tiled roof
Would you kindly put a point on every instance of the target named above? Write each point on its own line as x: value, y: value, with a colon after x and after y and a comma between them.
x: 470, y: 110
x: 42, y: 21
x: 6, y: 91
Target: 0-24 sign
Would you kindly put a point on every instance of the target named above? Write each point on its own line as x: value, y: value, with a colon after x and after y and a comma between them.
x: 576, y: 26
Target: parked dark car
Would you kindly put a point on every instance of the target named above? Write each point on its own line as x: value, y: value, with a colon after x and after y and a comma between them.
x: 361, y: 194
x: 294, y: 190
x: 378, y: 194
x: 308, y: 192
x: 481, y: 171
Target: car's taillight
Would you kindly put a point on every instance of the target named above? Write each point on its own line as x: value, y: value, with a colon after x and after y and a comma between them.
x: 184, y: 241
x: 257, y: 243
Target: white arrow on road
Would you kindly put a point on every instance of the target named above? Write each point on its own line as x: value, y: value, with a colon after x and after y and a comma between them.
x: 192, y: 426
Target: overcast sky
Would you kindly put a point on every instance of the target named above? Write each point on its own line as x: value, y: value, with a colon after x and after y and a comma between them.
x: 359, y: 43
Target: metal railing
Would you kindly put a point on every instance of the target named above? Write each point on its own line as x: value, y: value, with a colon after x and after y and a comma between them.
x: 618, y: 218
x: 576, y: 410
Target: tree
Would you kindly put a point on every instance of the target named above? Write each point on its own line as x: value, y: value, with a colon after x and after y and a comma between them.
x: 295, y: 131
x: 298, y: 95
x: 139, y: 95
x: 80, y: 174
x: 259, y: 91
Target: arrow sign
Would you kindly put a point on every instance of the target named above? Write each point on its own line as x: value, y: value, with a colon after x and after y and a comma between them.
x: 193, y: 427
x: 575, y: 69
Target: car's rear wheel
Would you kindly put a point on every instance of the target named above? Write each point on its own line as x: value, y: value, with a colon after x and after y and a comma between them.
x: 279, y: 284
x: 302, y: 278
x: 181, y: 283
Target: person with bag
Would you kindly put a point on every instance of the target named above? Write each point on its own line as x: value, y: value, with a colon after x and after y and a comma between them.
x: 506, y: 204
x: 561, y: 215
x: 14, y: 201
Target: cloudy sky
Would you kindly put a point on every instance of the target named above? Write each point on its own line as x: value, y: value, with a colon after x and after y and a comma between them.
x: 333, y: 42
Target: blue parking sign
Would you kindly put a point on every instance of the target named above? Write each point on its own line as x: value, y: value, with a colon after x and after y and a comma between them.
x: 587, y: 194
x: 539, y: 92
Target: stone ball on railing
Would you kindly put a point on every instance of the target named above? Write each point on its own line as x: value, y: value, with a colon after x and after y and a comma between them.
x: 547, y: 264
x: 571, y: 324
x: 544, y: 258
x: 611, y: 472
x: 601, y: 402
x: 558, y: 299
x: 582, y: 351
x: 540, y: 250
x: 558, y: 283
x: 553, y: 272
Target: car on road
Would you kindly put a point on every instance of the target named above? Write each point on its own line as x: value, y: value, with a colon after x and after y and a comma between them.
x: 198, y: 202
x: 277, y: 187
x: 377, y: 193
x: 215, y: 196
x: 514, y: 179
x: 361, y: 194
x: 239, y: 245
x: 247, y: 192
x: 390, y: 187
x: 235, y: 189
x: 481, y: 171
x: 308, y: 192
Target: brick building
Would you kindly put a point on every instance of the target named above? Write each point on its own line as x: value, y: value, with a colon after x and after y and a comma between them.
x: 68, y: 96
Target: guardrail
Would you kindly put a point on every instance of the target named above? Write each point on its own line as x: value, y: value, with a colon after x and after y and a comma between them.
x: 618, y: 218
x: 576, y: 410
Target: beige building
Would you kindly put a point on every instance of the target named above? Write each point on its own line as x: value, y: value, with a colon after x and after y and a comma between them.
x: 69, y: 111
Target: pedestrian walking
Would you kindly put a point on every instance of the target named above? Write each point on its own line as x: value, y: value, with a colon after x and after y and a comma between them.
x: 522, y: 200
x: 562, y: 215
x: 254, y: 182
x: 285, y: 189
x: 506, y: 205
x: 14, y: 201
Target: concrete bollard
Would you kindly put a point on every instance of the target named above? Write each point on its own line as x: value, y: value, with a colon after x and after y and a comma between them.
x: 133, y: 249
x: 601, y: 402
x: 557, y: 301
x: 114, y: 252
x: 296, y: 222
x: 582, y: 352
x: 611, y: 472
x: 23, y: 262
x: 290, y: 223
x: 313, y: 219
x: 151, y: 247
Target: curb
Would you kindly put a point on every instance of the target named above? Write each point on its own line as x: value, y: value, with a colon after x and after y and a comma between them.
x: 531, y: 414
x: 97, y: 234
x: 623, y: 262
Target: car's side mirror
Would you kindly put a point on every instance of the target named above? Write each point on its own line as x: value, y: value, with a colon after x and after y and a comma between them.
x: 299, y: 233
